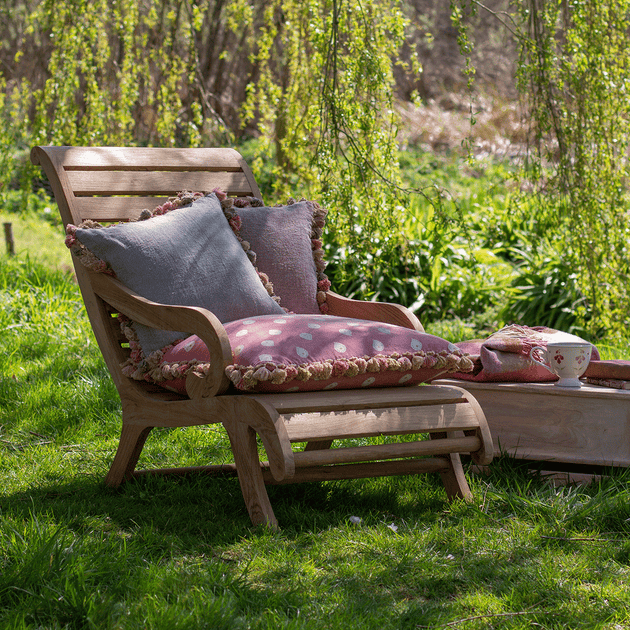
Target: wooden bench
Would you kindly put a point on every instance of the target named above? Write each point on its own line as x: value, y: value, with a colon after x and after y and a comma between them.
x: 566, y: 429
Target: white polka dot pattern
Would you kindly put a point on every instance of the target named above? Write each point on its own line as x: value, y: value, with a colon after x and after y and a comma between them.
x: 310, y: 352
x: 315, y: 348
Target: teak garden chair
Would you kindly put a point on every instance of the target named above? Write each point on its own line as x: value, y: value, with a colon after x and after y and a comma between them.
x: 114, y: 185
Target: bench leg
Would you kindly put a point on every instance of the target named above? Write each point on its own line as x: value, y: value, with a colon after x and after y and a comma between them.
x: 250, y: 476
x: 453, y: 479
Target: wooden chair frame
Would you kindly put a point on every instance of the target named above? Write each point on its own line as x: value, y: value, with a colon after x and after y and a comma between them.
x: 116, y: 184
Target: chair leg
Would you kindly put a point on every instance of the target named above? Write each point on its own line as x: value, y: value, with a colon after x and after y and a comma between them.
x: 132, y: 439
x: 453, y: 479
x: 250, y: 476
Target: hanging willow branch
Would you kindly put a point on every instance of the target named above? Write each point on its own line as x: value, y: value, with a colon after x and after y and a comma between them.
x: 324, y: 104
x: 574, y: 78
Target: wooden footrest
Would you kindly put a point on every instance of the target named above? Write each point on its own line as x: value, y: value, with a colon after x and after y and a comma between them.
x: 387, y: 451
x: 364, y: 471
x: 589, y: 426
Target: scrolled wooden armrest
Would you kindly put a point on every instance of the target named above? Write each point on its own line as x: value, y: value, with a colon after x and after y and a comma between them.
x: 195, y: 320
x: 374, y: 311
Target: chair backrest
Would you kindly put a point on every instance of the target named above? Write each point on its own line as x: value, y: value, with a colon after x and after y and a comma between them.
x: 112, y: 184
x: 117, y: 183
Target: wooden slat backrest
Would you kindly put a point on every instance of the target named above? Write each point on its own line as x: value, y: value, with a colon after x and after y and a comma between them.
x: 116, y: 183
x: 111, y: 184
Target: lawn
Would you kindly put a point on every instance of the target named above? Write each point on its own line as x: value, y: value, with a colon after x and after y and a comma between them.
x: 181, y: 553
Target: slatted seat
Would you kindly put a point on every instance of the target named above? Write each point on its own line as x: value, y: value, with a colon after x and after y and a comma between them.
x: 114, y: 184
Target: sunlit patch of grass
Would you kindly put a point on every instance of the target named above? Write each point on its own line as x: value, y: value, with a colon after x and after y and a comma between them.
x: 37, y: 231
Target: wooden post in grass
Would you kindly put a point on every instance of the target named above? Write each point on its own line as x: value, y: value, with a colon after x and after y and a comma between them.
x: 8, y: 237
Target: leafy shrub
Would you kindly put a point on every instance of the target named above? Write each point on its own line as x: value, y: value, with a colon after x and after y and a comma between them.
x: 545, y: 293
x: 435, y: 280
x: 453, y: 262
x: 33, y: 204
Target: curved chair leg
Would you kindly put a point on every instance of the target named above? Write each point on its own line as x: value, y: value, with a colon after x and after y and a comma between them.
x: 132, y: 439
x: 453, y: 479
x: 250, y: 476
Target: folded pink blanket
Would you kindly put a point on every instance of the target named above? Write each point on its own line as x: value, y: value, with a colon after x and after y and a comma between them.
x: 613, y: 373
x: 504, y: 356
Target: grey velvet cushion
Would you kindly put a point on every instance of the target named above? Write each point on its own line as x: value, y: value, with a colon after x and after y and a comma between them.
x: 189, y: 256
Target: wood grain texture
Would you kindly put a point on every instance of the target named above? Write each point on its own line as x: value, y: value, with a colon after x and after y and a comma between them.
x: 108, y: 184
x: 132, y: 439
x: 454, y: 479
x: 168, y: 183
x: 375, y: 398
x: 363, y: 471
x: 538, y: 421
x: 373, y: 311
x: 245, y: 451
x: 195, y: 320
x: 145, y: 158
x: 355, y: 423
x: 386, y: 451
x: 115, y: 209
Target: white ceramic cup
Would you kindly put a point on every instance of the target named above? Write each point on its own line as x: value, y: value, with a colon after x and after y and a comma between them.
x: 568, y: 360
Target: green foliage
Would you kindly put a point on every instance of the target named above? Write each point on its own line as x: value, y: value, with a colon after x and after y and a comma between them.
x: 314, y: 84
x: 573, y: 74
x: 312, y: 80
x: 545, y: 293
x: 110, y: 73
x: 443, y: 269
x: 323, y: 102
x: 576, y: 72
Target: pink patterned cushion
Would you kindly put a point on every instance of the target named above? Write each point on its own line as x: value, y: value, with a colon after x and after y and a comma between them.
x: 316, y: 352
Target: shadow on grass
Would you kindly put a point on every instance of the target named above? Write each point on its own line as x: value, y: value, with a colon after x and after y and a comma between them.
x: 200, y: 510
x: 187, y: 542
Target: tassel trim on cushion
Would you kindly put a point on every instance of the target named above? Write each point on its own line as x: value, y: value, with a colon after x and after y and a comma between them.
x: 154, y: 369
x: 247, y: 377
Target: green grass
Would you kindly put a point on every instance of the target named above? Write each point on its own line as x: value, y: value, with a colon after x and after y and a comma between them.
x: 181, y: 553
x: 36, y: 227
